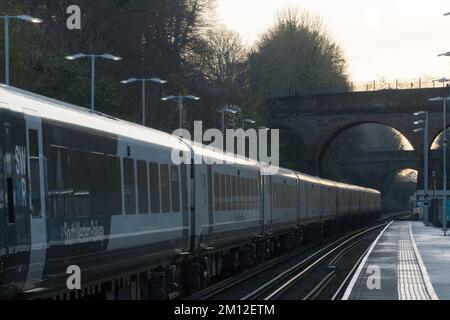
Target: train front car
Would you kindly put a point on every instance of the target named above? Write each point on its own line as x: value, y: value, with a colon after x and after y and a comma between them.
x: 14, y: 199
x: 111, y: 204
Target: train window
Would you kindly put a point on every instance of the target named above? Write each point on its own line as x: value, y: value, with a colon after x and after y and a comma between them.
x: 165, y: 188
x: 34, y: 173
x: 247, y: 193
x: 234, y: 196
x: 114, y: 183
x: 228, y: 194
x: 10, y: 200
x: 175, y: 188
x: 81, y: 192
x: 142, y: 181
x: 254, y: 193
x: 98, y: 184
x: 210, y: 189
x: 59, y: 185
x: 154, y: 187
x: 184, y: 188
x: 216, y: 192
x: 129, y: 186
x: 222, y: 193
x: 239, y: 194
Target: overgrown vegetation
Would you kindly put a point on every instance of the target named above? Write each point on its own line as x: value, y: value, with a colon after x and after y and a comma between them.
x: 176, y: 40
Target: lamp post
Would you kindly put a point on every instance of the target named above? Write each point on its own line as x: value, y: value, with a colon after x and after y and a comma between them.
x: 425, y: 130
x: 444, y: 175
x: 6, y: 20
x: 93, y: 57
x: 180, y: 99
x: 144, y: 81
x: 226, y: 109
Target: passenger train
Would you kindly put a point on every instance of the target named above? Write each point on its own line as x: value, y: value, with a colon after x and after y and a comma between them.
x: 81, y: 188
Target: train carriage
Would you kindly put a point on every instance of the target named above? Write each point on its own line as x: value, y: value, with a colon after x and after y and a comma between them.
x: 82, y: 188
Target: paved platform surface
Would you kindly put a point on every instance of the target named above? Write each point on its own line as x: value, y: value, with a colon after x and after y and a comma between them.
x: 408, y: 261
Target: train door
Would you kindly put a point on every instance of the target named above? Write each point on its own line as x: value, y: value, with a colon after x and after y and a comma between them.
x: 267, y: 182
x: 36, y: 198
x: 9, y: 217
x: 2, y: 209
x: 261, y: 204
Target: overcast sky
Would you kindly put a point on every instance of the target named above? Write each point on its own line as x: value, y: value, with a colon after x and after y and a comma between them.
x: 380, y: 38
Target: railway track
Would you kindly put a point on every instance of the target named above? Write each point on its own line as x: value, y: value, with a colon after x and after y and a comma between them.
x: 315, y: 255
x: 275, y: 288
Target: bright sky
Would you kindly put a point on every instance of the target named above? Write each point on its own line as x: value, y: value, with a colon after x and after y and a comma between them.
x: 395, y: 39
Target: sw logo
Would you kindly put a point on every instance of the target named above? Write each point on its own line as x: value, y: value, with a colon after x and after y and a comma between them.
x: 74, y: 280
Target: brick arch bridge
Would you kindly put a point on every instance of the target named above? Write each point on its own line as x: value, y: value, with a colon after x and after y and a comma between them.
x: 319, y: 119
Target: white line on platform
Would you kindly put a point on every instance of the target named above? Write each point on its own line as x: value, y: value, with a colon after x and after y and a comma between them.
x: 423, y: 269
x: 349, y: 289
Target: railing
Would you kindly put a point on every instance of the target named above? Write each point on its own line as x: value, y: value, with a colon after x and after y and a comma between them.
x: 375, y: 85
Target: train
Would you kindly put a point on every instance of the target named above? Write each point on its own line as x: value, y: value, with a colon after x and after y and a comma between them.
x: 81, y: 188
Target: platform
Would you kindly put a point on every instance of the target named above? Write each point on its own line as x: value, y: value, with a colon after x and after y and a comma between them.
x: 408, y: 261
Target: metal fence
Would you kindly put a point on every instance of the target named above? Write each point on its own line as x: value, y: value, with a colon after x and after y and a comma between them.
x: 375, y: 85
x: 398, y: 84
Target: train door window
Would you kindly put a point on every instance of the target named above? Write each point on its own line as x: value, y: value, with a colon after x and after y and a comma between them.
x: 165, y: 188
x: 7, y: 149
x: 35, y: 177
x: 142, y: 181
x: 10, y: 200
x: 59, y: 185
x: 98, y: 184
x: 210, y: 189
x: 129, y: 186
x: 228, y: 183
x: 81, y: 190
x: 175, y: 188
x: 222, y: 193
x: 249, y: 194
x: 234, y: 195
x: 184, y: 188
x: 239, y: 193
x: 114, y: 186
x: 154, y: 188
x: 216, y: 192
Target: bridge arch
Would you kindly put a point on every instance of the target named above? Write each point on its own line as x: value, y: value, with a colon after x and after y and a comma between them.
x: 338, y: 132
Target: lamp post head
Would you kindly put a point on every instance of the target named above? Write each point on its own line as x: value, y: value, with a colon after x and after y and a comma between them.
x: 157, y: 80
x: 75, y: 56
x: 29, y: 19
x: 419, y: 122
x: 438, y: 99
x: 229, y: 110
x: 167, y: 98
x: 111, y: 57
x: 128, y: 81
x: 420, y: 113
x: 250, y: 121
x: 192, y: 98
x: 418, y: 130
